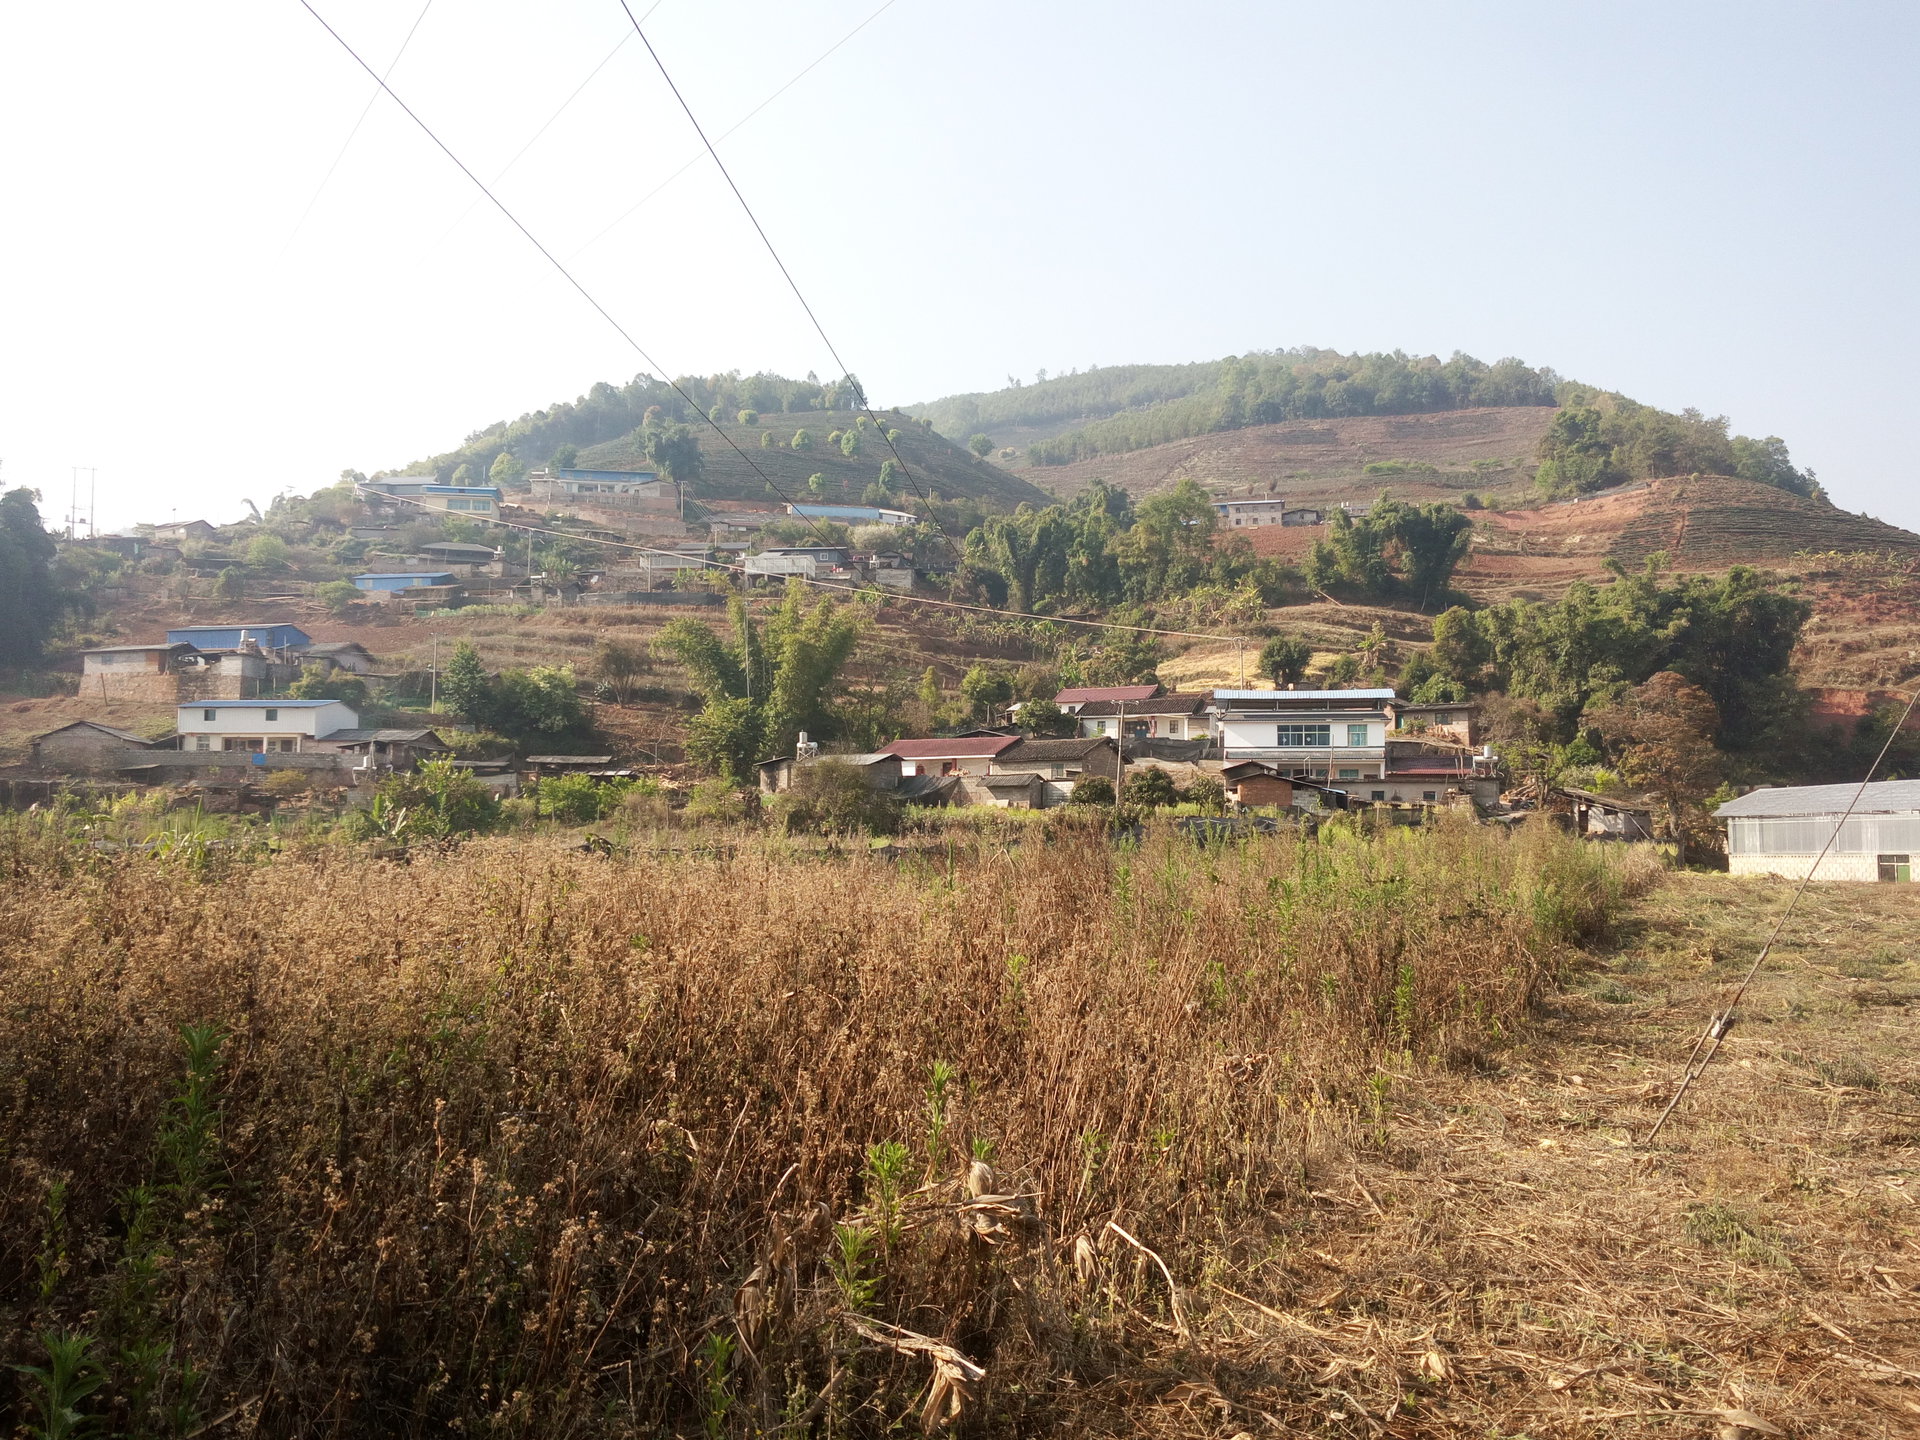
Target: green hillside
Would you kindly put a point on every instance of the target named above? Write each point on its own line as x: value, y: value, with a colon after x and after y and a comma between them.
x: 1114, y: 409
x: 602, y: 429
x: 932, y: 461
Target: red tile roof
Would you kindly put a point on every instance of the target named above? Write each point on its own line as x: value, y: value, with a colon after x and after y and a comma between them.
x: 1080, y: 695
x: 972, y: 748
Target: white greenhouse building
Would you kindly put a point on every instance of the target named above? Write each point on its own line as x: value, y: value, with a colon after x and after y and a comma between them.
x: 1781, y: 831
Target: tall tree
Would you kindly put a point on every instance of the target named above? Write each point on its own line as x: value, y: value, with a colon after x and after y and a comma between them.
x: 1284, y: 660
x: 28, y: 597
x: 1663, y: 734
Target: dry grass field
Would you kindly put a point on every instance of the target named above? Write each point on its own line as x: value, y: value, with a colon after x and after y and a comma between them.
x: 1336, y: 1138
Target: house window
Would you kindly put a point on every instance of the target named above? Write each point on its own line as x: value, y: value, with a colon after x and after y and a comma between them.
x: 1429, y: 796
x: 1349, y: 774
x: 206, y: 714
x: 273, y: 714
x: 281, y: 744
x: 1894, y: 867
x: 1379, y: 794
x: 241, y: 742
x: 1356, y: 734
x: 203, y: 742
x: 1059, y: 772
x: 1302, y: 735
x: 1099, y: 727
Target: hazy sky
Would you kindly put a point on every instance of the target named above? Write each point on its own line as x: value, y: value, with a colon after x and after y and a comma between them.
x: 1697, y: 204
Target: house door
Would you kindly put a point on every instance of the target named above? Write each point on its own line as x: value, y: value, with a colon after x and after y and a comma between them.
x: 1896, y: 867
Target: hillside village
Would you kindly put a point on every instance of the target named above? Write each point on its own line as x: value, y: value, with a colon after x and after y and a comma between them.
x: 312, y: 641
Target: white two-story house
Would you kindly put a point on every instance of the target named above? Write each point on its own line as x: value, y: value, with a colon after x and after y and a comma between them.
x: 272, y: 726
x: 1328, y: 735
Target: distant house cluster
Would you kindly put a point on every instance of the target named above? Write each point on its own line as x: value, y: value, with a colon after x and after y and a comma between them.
x: 1304, y: 749
x: 211, y: 662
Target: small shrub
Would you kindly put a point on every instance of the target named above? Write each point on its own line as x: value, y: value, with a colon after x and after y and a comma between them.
x: 831, y: 797
x: 1091, y: 790
x: 1720, y: 1226
x: 1151, y: 788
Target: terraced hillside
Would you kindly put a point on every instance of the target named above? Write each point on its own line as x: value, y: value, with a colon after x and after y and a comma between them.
x: 1417, y: 457
x: 952, y: 471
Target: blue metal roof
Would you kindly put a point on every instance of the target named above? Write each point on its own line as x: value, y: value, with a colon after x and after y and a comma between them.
x: 406, y: 575
x: 493, y: 490
x: 637, y: 475
x: 1303, y: 695
x: 227, y: 637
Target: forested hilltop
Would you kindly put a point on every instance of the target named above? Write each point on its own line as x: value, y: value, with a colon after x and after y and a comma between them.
x: 790, y: 432
x: 1599, y: 438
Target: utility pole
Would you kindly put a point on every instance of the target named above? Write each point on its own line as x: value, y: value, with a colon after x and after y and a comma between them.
x: 73, y: 503
x: 433, y: 673
x: 1119, y: 752
x: 93, y: 508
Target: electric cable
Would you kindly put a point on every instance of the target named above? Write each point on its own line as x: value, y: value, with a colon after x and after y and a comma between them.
x: 365, y: 110
x: 846, y: 374
x: 656, y: 367
x: 565, y: 273
x: 501, y: 173
x: 624, y: 215
x: 1722, y: 1020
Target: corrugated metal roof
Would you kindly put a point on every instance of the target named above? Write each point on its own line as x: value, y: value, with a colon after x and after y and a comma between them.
x: 1883, y: 797
x: 974, y: 749
x: 256, y: 704
x: 1154, y: 705
x: 1081, y: 694
x: 1303, y: 695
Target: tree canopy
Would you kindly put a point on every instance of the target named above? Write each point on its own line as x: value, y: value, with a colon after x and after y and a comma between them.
x: 761, y: 690
x: 28, y: 596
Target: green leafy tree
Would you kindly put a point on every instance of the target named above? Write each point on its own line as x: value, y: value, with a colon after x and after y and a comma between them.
x: 1207, y: 792
x: 268, y: 552
x: 1284, y: 660
x: 749, y: 417
x: 29, y: 599
x: 1091, y: 790
x: 850, y: 441
x: 1150, y: 788
x: 985, y: 688
x: 766, y: 440
x: 564, y: 457
x: 832, y: 797
x: 323, y: 682
x: 760, y: 690
x: 338, y: 596
x: 1663, y: 734
x: 802, y: 439
x: 981, y: 445
x: 466, y: 688
x: 892, y: 477
x: 816, y: 485
x: 435, y: 801
x: 505, y: 471
x: 675, y: 451
x: 463, y: 474
x: 1043, y: 717
x: 620, y: 665
x: 230, y: 584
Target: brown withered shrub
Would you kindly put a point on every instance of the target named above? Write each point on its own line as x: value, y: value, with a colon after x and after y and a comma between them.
x: 539, y: 1143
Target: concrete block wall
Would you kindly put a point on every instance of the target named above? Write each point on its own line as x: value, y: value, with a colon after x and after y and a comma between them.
x: 1795, y: 867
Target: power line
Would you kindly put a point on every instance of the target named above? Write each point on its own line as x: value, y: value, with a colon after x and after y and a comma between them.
x: 365, y: 110
x: 659, y: 369
x: 624, y: 215
x: 565, y: 273
x: 1722, y: 1020
x: 760, y: 230
x: 501, y: 173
